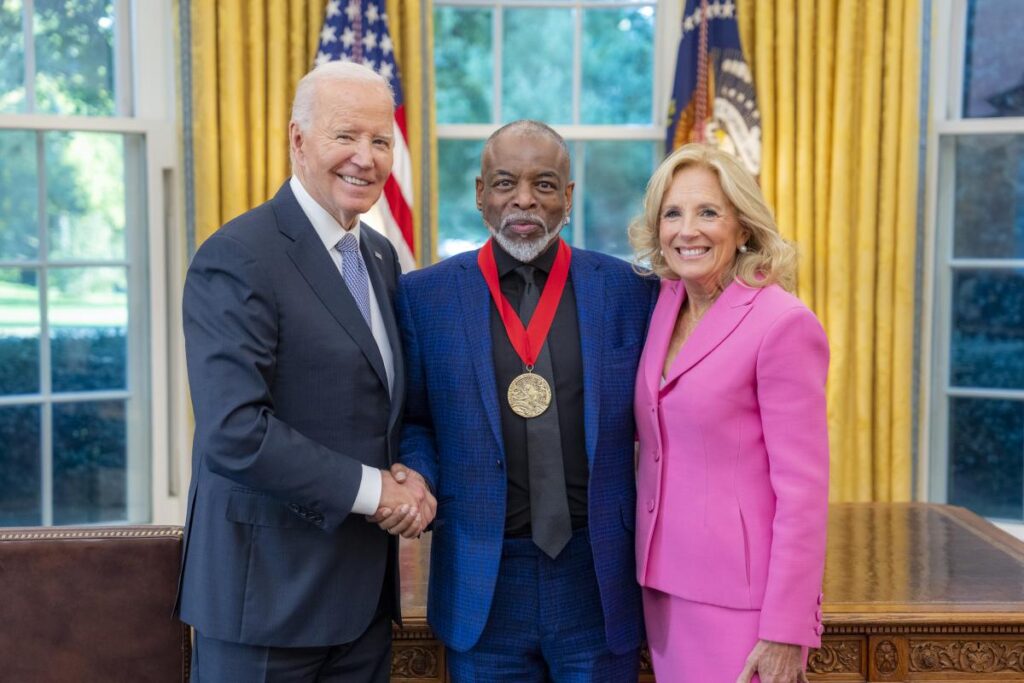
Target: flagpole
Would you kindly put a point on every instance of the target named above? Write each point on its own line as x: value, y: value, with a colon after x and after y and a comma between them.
x: 701, y: 110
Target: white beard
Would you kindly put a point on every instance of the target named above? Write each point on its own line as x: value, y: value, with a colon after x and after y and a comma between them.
x: 525, y: 251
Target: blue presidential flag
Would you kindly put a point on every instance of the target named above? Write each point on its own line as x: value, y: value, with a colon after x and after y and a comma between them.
x: 713, y: 97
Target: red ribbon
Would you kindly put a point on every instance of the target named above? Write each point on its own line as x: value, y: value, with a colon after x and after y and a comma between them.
x: 528, y: 341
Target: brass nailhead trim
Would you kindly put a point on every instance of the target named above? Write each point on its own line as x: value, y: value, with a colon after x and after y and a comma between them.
x: 71, y: 534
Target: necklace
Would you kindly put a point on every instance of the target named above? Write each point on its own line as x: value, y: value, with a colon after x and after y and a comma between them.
x: 689, y: 317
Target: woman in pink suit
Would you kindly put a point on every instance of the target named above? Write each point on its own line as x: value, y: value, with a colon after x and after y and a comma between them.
x: 732, y: 468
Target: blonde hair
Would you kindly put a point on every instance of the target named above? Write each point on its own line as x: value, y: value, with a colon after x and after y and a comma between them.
x: 769, y: 258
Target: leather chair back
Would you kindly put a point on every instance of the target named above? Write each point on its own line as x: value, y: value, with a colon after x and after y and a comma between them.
x: 91, y: 604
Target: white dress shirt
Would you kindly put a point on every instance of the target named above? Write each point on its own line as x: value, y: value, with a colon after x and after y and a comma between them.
x: 330, y: 233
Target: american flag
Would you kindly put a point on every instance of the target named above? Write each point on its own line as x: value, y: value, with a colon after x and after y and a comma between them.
x: 358, y: 32
x: 713, y: 98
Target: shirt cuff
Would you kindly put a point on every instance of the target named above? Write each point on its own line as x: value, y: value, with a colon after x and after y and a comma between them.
x: 368, y: 498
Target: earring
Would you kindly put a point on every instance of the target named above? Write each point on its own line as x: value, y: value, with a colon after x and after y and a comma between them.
x: 743, y: 249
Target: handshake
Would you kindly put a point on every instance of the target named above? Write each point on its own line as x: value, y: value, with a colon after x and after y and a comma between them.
x: 406, y: 505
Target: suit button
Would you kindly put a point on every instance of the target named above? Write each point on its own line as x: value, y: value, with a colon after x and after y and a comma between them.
x: 650, y: 505
x: 819, y: 629
x: 498, y: 463
x: 817, y: 615
x: 821, y: 596
x: 657, y: 456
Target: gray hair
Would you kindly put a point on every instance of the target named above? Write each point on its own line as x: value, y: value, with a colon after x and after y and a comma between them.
x: 337, y: 72
x: 528, y: 126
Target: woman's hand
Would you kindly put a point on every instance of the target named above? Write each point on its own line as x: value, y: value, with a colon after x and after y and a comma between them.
x: 774, y: 663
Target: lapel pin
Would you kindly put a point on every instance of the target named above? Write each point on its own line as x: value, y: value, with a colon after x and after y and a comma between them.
x: 377, y: 254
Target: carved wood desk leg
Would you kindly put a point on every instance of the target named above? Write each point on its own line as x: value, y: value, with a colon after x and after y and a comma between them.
x: 417, y: 661
x: 646, y: 667
x: 968, y: 657
x: 888, y: 658
x: 840, y: 658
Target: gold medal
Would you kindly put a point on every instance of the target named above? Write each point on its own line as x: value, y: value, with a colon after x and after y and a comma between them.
x: 529, y: 395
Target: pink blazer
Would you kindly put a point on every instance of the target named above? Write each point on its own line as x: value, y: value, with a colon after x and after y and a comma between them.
x: 732, y: 469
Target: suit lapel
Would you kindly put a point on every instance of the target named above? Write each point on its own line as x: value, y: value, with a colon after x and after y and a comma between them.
x: 309, y: 256
x: 588, y: 286
x: 374, y: 261
x: 718, y: 323
x: 663, y: 321
x: 475, y: 300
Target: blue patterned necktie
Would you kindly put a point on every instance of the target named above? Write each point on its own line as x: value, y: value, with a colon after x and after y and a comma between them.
x: 353, y: 270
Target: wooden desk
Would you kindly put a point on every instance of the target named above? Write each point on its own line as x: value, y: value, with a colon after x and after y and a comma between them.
x: 913, y: 592
x: 917, y: 592
x: 417, y: 655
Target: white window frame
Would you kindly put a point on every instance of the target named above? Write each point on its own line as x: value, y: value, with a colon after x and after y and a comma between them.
x: 667, y: 32
x: 945, y: 124
x: 157, y: 418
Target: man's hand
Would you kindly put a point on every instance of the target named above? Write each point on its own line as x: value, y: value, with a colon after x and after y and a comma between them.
x: 406, y: 504
x: 408, y: 477
x: 774, y: 663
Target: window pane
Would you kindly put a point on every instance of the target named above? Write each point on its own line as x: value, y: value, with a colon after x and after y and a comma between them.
x: 993, y: 78
x: 19, y: 331
x: 74, y: 57
x: 989, y: 213
x: 615, y: 174
x: 988, y: 329
x: 461, y: 227
x: 19, y: 195
x: 986, y: 455
x: 88, y: 313
x: 12, y: 57
x: 618, y: 54
x: 464, y: 64
x: 89, y: 483
x: 537, y: 65
x: 85, y: 200
x: 20, y: 488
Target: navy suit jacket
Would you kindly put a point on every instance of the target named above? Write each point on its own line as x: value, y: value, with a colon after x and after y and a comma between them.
x: 452, y: 434
x: 290, y: 398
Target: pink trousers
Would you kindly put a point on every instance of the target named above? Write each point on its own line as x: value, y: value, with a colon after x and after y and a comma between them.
x: 693, y: 642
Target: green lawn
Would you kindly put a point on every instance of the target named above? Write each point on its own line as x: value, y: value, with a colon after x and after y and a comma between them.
x: 19, y: 309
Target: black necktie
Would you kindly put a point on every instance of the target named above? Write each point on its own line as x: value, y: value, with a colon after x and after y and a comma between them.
x: 550, y: 523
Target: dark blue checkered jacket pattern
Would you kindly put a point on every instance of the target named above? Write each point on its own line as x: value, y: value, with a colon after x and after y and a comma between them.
x: 452, y: 434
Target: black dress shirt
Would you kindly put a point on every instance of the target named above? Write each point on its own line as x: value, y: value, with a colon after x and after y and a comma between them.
x: 567, y: 362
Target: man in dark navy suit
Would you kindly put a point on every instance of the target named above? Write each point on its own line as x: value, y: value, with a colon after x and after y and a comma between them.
x: 521, y: 360
x: 297, y: 385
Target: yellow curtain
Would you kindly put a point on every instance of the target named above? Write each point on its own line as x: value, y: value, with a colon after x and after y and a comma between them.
x: 837, y: 84
x: 411, y: 26
x: 247, y: 57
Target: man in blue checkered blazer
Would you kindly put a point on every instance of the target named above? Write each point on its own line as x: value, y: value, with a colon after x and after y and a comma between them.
x: 510, y: 605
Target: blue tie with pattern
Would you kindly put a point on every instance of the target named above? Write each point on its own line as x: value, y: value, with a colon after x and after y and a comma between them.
x: 353, y: 270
